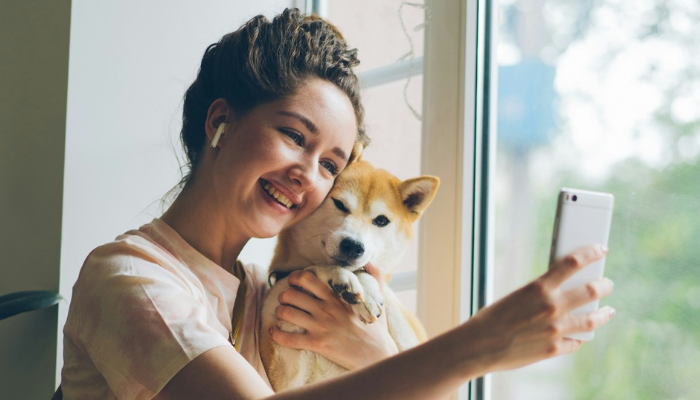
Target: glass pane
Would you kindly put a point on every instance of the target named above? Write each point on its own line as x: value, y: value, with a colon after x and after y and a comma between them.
x: 605, y: 95
x: 384, y: 32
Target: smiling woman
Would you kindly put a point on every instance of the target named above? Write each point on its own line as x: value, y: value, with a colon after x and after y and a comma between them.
x: 285, y: 123
x: 167, y: 311
x: 273, y: 165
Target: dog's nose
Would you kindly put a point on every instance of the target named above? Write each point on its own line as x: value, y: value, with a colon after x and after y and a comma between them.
x: 352, y: 248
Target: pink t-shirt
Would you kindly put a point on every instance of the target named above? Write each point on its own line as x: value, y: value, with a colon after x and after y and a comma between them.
x: 143, y: 307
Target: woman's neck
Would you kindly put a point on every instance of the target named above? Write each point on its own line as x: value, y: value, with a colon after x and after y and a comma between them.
x: 204, y: 227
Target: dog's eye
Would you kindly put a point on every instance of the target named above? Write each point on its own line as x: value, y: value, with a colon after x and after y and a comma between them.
x: 381, y: 221
x: 341, y: 206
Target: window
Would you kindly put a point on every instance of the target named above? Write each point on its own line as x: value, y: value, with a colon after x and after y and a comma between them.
x: 604, y: 96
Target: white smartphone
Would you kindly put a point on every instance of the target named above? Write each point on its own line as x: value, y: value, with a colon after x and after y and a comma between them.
x: 583, y: 218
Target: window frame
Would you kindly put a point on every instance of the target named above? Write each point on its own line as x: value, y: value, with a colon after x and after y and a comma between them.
x: 458, y: 145
x: 454, y: 247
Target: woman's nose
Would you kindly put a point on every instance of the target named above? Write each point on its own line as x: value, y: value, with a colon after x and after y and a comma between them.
x: 305, y: 175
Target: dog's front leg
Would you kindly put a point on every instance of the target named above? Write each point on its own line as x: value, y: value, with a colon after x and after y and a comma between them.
x: 349, y: 287
x: 405, y: 333
x: 374, y: 301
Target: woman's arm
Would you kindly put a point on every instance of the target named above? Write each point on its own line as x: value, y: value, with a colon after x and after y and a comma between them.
x: 527, y: 326
x: 425, y: 372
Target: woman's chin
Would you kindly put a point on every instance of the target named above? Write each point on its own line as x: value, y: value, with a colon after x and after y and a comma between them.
x: 267, y: 229
x: 264, y: 235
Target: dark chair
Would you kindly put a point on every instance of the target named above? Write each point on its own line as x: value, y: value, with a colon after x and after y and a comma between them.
x: 58, y: 395
x: 19, y: 302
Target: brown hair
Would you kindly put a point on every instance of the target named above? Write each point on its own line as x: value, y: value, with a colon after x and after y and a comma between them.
x: 264, y: 61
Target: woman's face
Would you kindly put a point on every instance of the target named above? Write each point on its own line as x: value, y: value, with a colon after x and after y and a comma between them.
x: 276, y: 164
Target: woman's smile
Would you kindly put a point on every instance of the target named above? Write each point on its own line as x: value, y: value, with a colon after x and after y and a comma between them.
x: 276, y: 196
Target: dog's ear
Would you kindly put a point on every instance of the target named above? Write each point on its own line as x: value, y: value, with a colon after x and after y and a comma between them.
x: 417, y: 193
x: 356, y: 153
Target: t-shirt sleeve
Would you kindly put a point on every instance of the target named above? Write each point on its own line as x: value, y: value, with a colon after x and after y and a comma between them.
x: 138, y: 321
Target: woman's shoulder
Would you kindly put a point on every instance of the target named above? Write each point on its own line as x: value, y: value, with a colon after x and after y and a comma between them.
x: 131, y: 243
x: 125, y: 247
x: 133, y: 253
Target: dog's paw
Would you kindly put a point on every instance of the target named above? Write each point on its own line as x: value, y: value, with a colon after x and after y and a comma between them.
x: 348, y: 287
x: 361, y: 291
x: 351, y: 295
x: 369, y: 310
x: 343, y: 282
x: 373, y: 305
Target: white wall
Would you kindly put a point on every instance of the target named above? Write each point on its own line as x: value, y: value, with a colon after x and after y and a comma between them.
x: 130, y: 64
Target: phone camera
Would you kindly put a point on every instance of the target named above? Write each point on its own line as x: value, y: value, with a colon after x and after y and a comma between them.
x: 574, y: 198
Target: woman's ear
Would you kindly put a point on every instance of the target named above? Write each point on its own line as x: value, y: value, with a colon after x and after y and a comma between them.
x: 216, y: 116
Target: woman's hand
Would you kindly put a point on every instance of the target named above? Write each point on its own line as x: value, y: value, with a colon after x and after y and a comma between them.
x: 332, y: 327
x: 531, y: 323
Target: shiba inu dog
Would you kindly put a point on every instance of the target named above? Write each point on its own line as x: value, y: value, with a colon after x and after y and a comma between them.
x: 366, y: 219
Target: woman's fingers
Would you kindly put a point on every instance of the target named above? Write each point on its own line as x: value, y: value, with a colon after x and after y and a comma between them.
x: 588, y: 322
x: 299, y: 341
x: 299, y: 299
x: 309, y: 282
x: 294, y: 316
x: 591, y: 291
x: 566, y: 266
x: 564, y: 346
x: 533, y: 322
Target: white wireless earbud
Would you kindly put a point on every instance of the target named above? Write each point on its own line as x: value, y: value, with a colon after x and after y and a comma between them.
x: 218, y: 134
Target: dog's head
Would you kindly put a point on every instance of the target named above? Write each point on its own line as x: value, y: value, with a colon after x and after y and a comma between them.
x: 367, y: 218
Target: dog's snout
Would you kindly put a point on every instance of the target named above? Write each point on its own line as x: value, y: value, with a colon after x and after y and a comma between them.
x: 352, y: 248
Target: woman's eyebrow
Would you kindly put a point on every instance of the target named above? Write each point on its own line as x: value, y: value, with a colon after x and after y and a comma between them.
x: 313, y: 129
x: 340, y: 153
x: 307, y: 122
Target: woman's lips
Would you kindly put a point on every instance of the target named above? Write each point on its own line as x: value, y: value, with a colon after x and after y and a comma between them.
x: 275, y: 197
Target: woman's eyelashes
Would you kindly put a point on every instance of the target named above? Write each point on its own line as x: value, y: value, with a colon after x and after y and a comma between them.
x: 294, y: 136
x: 330, y: 167
x: 298, y: 139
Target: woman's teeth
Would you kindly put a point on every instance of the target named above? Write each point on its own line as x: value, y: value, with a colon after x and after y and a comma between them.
x: 278, y: 196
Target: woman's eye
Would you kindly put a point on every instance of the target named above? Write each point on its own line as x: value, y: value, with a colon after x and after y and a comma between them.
x: 340, y: 205
x: 332, y: 168
x: 296, y: 137
x: 381, y: 221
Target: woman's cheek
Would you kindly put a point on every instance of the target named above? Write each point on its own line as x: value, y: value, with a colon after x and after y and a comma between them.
x: 318, y: 196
